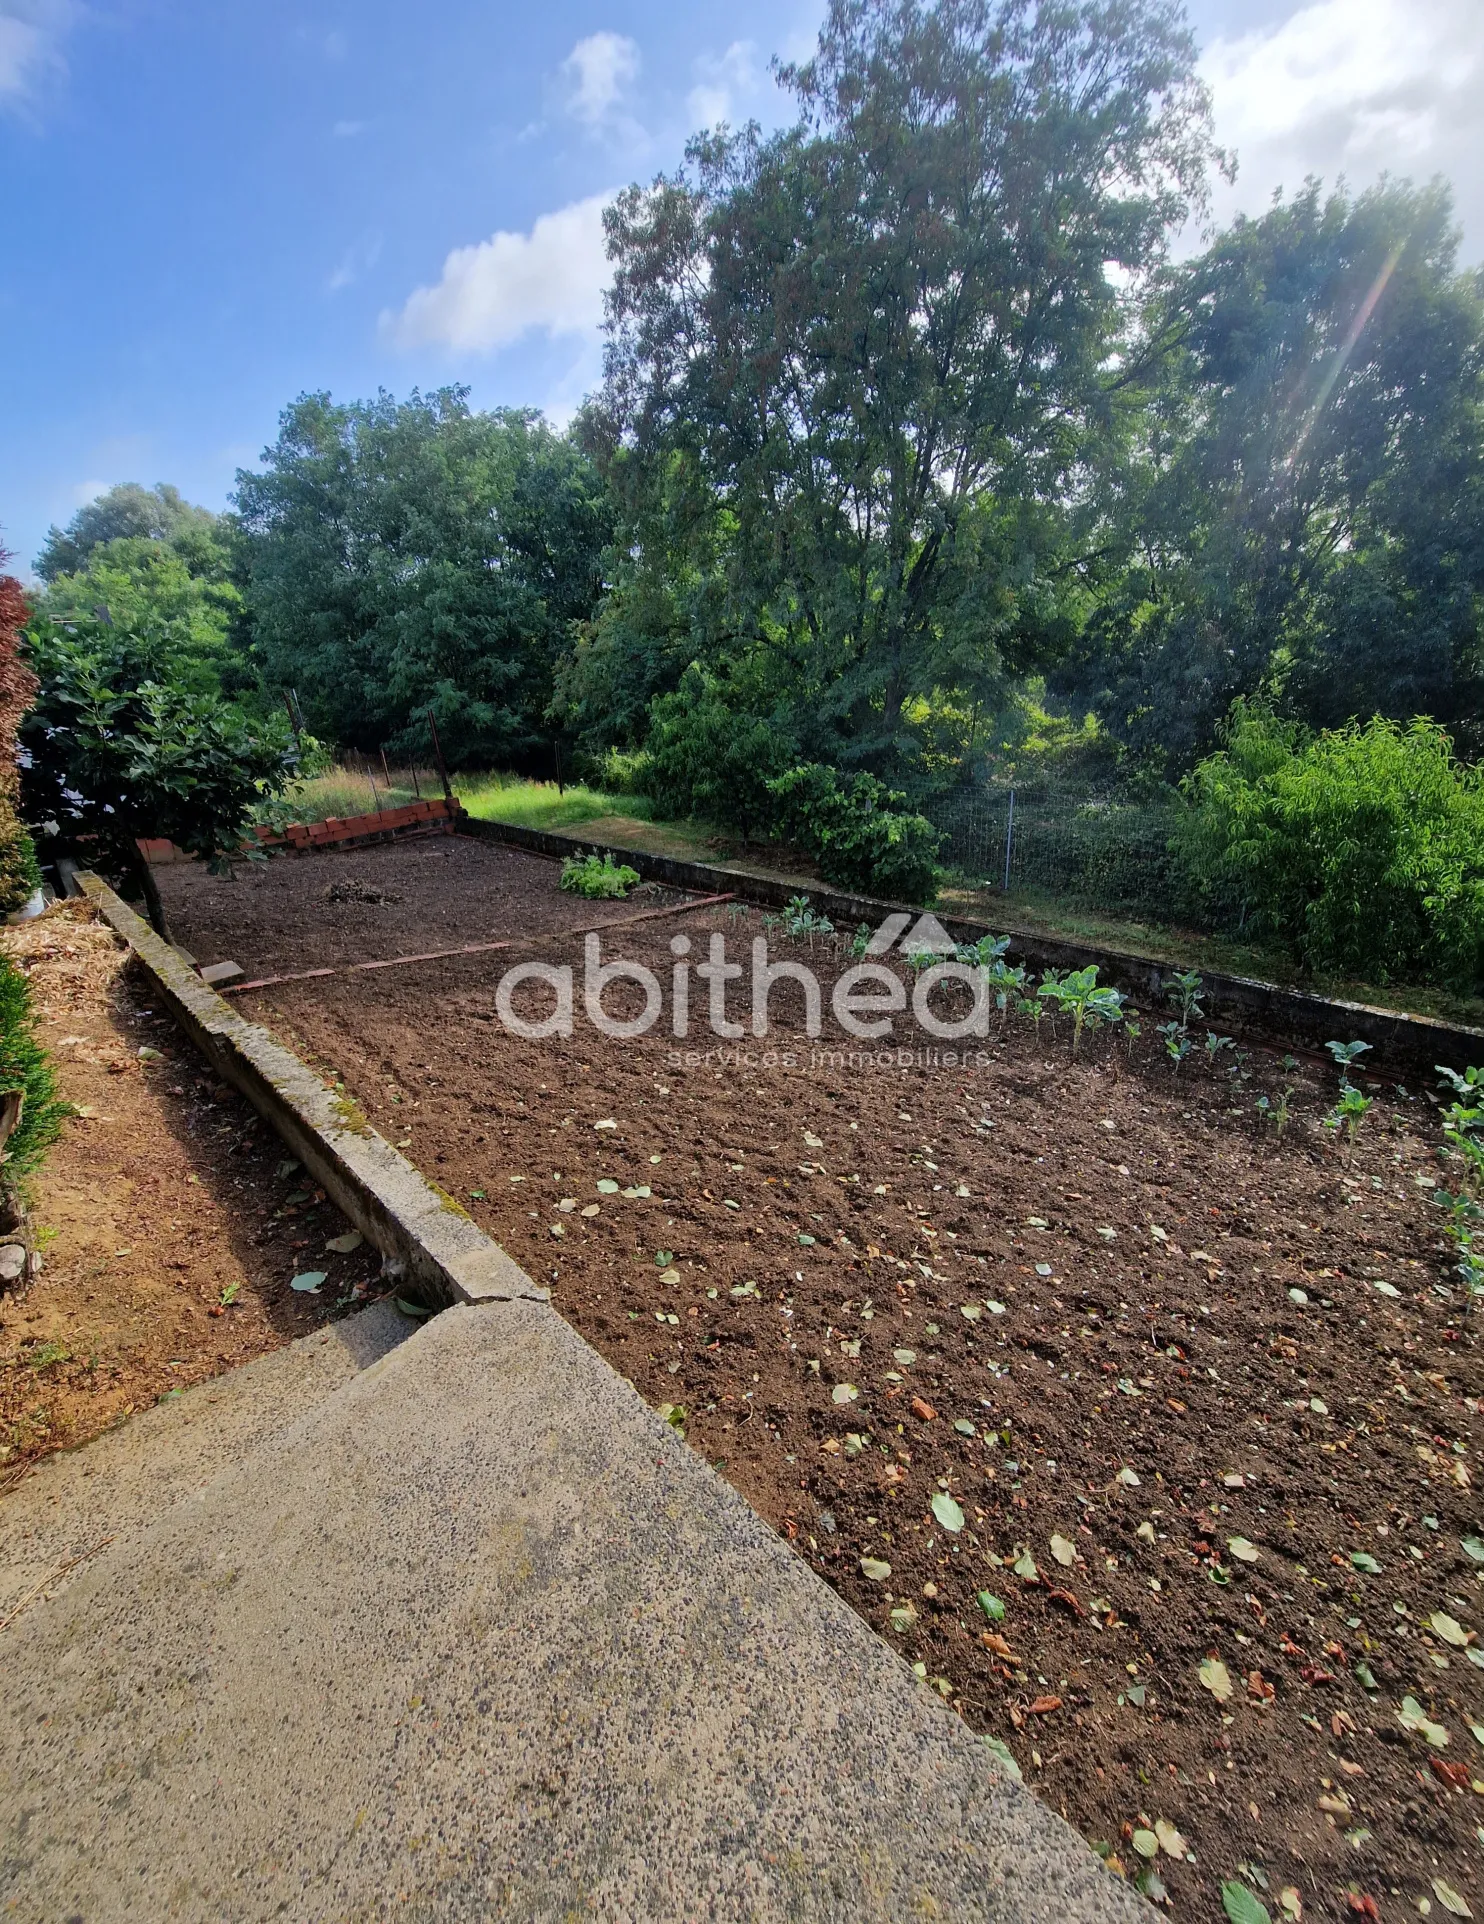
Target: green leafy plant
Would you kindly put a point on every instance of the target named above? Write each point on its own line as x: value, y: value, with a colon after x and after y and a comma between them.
x: 1276, y: 1110
x: 1463, y: 1130
x: 1346, y: 1054
x: 1349, y: 1112
x: 1078, y: 993
x: 984, y: 953
x: 25, y: 1070
x: 114, y: 754
x: 860, y: 941
x: 1177, y: 1042
x: 1360, y: 849
x: 861, y: 833
x: 1185, y: 991
x: 1008, y: 985
x: 799, y: 920
x: 598, y: 877
x: 1214, y: 1046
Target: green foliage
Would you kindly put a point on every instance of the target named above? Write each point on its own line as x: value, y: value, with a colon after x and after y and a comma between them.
x: 115, y: 754
x: 1350, y: 1111
x: 598, y: 877
x: 1358, y: 850
x: 1077, y: 991
x: 406, y: 555
x: 1301, y: 485
x: 800, y: 918
x: 712, y: 755
x: 24, y: 1066
x: 859, y: 831
x: 178, y: 608
x: 852, y: 365
x: 131, y: 513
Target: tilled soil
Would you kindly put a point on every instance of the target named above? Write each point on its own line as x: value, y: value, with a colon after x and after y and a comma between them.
x: 1071, y: 1374
x: 323, y: 909
x: 170, y: 1220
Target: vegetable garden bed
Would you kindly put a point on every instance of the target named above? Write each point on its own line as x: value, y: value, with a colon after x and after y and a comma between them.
x: 1149, y: 1435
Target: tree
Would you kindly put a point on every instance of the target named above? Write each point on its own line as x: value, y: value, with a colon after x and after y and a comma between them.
x: 179, y: 607
x: 113, y: 754
x: 126, y: 512
x: 1302, y: 512
x: 401, y: 555
x: 881, y: 336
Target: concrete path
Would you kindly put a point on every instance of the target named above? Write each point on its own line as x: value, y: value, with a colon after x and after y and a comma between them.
x: 470, y: 1633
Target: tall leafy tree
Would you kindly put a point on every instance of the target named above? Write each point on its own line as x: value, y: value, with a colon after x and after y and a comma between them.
x: 126, y: 512
x: 1301, y: 515
x: 177, y: 602
x: 881, y: 336
x: 405, y: 555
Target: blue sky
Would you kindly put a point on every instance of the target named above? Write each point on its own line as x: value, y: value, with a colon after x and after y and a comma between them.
x: 209, y: 208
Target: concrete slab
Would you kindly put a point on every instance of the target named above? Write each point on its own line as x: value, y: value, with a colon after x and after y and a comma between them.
x: 127, y: 1478
x: 478, y: 1636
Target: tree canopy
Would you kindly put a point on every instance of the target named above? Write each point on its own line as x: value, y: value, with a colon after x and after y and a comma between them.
x: 874, y: 346
x: 126, y: 512
x: 403, y: 555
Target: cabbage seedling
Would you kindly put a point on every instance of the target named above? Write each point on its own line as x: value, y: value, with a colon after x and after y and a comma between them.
x: 1185, y: 990
x: 1345, y: 1054
x: 1349, y: 1112
x: 1176, y: 1041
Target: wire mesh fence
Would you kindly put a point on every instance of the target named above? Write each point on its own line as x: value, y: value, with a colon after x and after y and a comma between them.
x: 1094, y: 853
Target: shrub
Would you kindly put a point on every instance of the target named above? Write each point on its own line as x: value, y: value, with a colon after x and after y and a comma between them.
x: 1360, y: 850
x: 859, y: 831
x: 24, y: 1066
x: 114, y: 755
x: 709, y: 756
x: 598, y: 877
x: 19, y: 874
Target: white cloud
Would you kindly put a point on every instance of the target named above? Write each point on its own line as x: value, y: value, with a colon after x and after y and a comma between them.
x: 348, y: 129
x: 599, y: 70
x: 551, y: 280
x: 719, y: 80
x: 85, y: 491
x: 30, y: 43
x: 1355, y: 87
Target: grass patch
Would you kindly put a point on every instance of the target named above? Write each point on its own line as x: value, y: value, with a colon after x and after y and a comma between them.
x: 341, y: 792
x: 528, y: 804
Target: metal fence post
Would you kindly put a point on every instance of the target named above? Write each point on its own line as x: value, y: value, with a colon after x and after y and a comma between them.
x: 1009, y: 838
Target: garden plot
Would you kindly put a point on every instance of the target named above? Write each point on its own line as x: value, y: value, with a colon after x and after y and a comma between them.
x: 1147, y: 1435
x: 328, y: 909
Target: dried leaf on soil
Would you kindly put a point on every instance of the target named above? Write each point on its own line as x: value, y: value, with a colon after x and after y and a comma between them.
x: 1412, y: 1716
x: 1216, y: 1678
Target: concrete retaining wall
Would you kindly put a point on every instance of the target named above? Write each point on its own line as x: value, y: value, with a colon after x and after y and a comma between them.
x: 1404, y: 1045
x: 441, y: 1251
